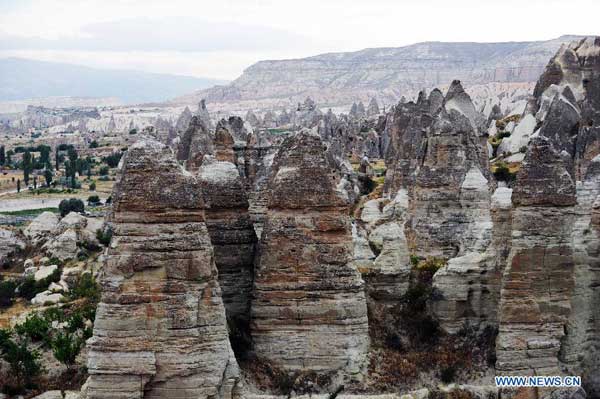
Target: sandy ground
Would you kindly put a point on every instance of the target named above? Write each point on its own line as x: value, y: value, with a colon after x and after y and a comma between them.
x: 11, y: 205
x: 12, y: 201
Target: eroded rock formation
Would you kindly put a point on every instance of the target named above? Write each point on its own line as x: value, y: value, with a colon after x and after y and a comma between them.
x: 538, y: 280
x: 160, y: 327
x: 309, y: 310
x: 232, y: 236
x: 195, y: 142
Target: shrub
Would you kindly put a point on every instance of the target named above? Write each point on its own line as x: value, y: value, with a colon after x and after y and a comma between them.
x: 448, y: 374
x: 7, y: 293
x: 28, y: 289
x: 24, y: 363
x: 71, y: 205
x: 5, y: 336
x: 54, y: 314
x: 414, y: 259
x: 93, y: 200
x: 503, y: 173
x: 55, y: 261
x: 432, y: 264
x: 66, y: 347
x: 86, y: 287
x: 104, y: 171
x: 523, y: 149
x: 35, y: 327
x: 75, y: 322
x: 104, y: 237
x: 88, y: 311
x: 93, y: 186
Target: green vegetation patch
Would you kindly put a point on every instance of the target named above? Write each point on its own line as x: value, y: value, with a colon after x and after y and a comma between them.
x: 29, y: 212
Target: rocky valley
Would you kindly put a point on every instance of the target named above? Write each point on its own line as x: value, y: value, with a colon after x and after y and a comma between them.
x: 409, y: 251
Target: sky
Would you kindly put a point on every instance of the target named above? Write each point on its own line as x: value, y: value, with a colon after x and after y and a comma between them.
x: 220, y: 38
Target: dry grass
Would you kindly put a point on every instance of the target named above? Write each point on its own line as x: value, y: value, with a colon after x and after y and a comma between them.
x: 6, y: 183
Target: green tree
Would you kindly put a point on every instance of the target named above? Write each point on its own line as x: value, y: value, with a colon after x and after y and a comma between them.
x: 9, y: 155
x: 66, y: 347
x: 71, y: 205
x: 44, y: 154
x: 18, y: 185
x: 2, y: 156
x: 113, y: 159
x: 27, y: 166
x: 48, y: 176
x: 72, y: 154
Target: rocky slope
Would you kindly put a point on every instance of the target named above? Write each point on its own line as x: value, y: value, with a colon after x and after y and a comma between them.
x: 385, y: 73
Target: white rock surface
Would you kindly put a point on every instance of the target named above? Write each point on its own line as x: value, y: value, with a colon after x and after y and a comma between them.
x: 44, y: 271
x: 47, y: 297
x: 50, y: 395
x: 63, y: 247
x: 520, y: 136
x: 41, y: 227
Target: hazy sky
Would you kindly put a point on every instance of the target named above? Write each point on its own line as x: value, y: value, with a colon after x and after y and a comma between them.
x: 222, y: 37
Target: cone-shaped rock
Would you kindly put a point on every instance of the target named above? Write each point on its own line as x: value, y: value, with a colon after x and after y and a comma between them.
x: 309, y: 310
x: 160, y: 329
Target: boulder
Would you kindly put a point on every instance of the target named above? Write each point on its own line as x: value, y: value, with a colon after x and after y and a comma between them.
x: 64, y: 246
x: 47, y: 298
x: 44, y: 272
x: 41, y: 227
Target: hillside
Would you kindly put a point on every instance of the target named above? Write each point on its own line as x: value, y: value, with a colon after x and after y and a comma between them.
x: 387, y: 73
x: 25, y: 79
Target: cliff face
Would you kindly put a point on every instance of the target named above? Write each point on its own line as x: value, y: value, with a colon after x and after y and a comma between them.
x: 233, y: 239
x: 309, y: 308
x: 538, y: 280
x: 388, y: 73
x: 160, y: 327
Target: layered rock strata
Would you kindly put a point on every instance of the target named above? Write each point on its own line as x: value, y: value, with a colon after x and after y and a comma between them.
x: 539, y: 277
x: 309, y: 309
x: 232, y: 236
x: 160, y: 327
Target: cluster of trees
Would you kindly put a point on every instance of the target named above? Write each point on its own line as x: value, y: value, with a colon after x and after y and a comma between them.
x: 65, y: 154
